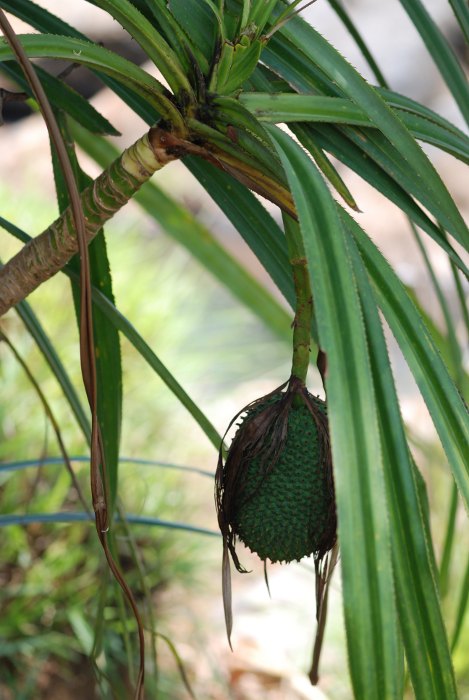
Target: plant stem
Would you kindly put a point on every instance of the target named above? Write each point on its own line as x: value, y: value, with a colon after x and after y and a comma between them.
x: 302, y: 321
x: 304, y: 300
x: 51, y: 250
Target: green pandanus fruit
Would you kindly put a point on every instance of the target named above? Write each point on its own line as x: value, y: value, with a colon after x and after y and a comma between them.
x: 275, y: 490
x: 285, y: 511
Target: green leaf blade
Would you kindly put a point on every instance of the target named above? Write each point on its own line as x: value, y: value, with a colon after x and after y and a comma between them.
x: 98, y: 58
x: 446, y: 406
x: 199, y: 22
x: 292, y: 107
x: 441, y: 53
x: 420, y: 616
x: 62, y: 96
x: 376, y: 167
x: 106, y: 338
x: 151, y: 41
x: 342, y: 76
x: 461, y: 12
x: 363, y: 527
x: 37, y: 332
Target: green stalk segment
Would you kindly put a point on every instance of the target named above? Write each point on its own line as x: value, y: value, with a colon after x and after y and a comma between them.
x: 304, y: 301
x: 302, y: 322
x: 51, y: 250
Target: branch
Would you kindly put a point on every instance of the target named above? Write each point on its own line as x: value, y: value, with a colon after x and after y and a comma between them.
x: 46, y: 254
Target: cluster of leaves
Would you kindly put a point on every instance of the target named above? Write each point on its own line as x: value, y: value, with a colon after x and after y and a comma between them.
x: 234, y: 70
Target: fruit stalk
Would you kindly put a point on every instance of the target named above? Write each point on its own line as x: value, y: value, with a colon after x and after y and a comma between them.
x: 304, y: 302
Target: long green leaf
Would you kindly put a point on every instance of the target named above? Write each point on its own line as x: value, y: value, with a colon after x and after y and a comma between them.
x: 182, y: 43
x: 332, y: 175
x: 344, y: 16
x: 461, y: 11
x: 403, y: 102
x: 312, y: 45
x: 261, y: 13
x: 74, y: 517
x: 448, y: 542
x: 461, y: 298
x: 264, y: 80
x: 441, y: 53
x: 108, y: 364
x: 364, y: 534
x: 455, y: 352
x: 461, y: 612
x: 199, y: 22
x: 375, y: 160
x: 296, y: 69
x: 106, y: 338
x: 443, y: 400
x: 151, y: 41
x: 44, y: 344
x: 292, y: 107
x: 47, y: 23
x: 98, y: 58
x: 420, y: 616
x: 440, y: 339
x: 382, y: 151
x: 46, y: 347
x: 62, y: 96
x: 371, y: 164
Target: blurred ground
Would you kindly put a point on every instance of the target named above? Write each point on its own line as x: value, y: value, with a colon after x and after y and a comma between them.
x: 272, y: 638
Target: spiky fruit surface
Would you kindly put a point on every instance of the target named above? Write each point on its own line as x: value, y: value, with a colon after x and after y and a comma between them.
x: 283, y: 510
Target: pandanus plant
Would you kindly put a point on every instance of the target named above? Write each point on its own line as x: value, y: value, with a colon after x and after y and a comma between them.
x: 233, y: 71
